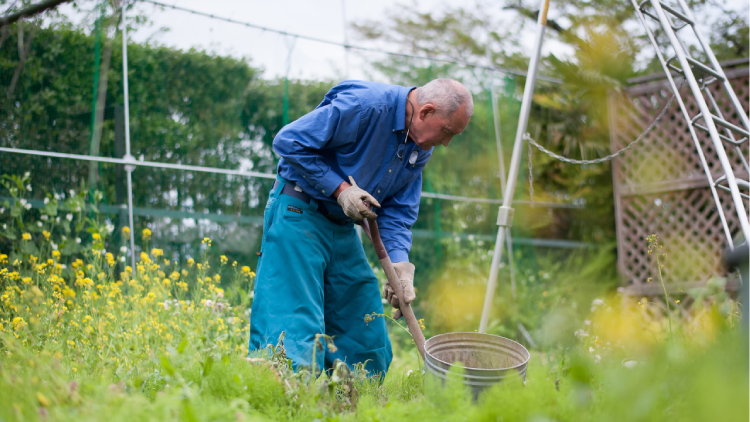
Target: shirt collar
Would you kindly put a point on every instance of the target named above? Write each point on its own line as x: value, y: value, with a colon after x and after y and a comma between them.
x: 399, y: 121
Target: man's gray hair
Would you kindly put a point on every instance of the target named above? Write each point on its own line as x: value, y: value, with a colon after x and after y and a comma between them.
x: 447, y: 95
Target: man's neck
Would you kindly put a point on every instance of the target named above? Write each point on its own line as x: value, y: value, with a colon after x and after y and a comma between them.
x: 410, y: 110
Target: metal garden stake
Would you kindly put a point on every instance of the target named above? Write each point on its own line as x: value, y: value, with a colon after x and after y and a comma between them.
x: 505, y: 214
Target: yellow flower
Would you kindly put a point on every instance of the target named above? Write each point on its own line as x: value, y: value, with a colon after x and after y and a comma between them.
x: 56, y: 254
x: 26, y: 236
x: 44, y: 401
x: 245, y: 269
x: 126, y: 232
x: 157, y: 252
x: 146, y: 234
x: 96, y: 237
x: 224, y: 259
x: 166, y: 282
x: 206, y: 241
x: 18, y: 323
x: 190, y: 262
x: 46, y: 234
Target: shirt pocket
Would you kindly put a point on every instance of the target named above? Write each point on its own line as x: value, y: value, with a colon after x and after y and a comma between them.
x: 416, y: 156
x: 407, y: 174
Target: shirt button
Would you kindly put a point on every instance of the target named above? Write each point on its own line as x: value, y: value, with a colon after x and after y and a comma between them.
x: 378, y: 190
x: 323, y: 191
x: 389, y: 170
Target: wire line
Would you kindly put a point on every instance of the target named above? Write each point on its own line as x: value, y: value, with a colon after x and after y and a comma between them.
x: 351, y: 46
x: 241, y: 173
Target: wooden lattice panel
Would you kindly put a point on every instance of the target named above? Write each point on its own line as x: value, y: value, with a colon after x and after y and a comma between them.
x: 661, y: 187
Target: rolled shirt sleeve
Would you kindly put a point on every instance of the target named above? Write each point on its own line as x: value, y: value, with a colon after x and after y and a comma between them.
x: 396, y: 217
x: 331, y: 126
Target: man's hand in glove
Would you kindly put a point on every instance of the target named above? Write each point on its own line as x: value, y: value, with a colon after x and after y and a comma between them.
x: 352, y: 200
x: 405, y: 273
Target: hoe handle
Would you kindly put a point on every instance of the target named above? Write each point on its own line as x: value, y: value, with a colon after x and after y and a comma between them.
x: 371, y: 229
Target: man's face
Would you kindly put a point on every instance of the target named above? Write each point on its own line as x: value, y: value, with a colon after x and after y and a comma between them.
x: 431, y: 128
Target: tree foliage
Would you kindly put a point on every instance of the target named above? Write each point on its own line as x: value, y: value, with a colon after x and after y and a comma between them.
x: 186, y: 107
x: 604, y: 47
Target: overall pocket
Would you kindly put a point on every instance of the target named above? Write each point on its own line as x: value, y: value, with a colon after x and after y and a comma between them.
x: 268, y: 215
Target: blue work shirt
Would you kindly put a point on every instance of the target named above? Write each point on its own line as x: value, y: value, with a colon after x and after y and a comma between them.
x: 359, y: 130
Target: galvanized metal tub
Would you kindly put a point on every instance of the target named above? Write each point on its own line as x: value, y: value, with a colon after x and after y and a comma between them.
x: 486, y: 359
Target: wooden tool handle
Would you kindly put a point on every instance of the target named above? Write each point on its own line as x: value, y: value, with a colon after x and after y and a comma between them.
x: 372, y: 231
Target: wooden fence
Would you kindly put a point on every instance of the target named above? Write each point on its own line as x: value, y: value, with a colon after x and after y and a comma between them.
x: 660, y: 186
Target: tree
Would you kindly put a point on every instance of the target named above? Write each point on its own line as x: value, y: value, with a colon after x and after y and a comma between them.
x: 186, y: 107
x: 604, y: 45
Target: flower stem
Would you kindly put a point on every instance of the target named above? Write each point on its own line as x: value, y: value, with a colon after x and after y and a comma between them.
x: 666, y: 296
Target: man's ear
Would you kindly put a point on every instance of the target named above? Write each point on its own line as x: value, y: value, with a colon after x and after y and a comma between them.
x: 426, y: 110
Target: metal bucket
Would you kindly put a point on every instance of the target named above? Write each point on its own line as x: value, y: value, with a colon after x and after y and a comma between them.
x: 486, y: 359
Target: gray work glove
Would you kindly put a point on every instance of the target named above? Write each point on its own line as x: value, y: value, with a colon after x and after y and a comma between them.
x: 405, y: 273
x: 352, y: 201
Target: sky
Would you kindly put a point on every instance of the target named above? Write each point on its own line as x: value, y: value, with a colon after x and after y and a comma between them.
x: 305, y: 59
x: 308, y: 59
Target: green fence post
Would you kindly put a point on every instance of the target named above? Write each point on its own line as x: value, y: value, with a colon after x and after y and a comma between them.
x: 97, y: 64
x: 436, y: 212
x: 285, y: 112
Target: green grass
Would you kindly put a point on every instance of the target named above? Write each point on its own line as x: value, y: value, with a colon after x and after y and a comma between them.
x: 675, y: 382
x: 81, y: 338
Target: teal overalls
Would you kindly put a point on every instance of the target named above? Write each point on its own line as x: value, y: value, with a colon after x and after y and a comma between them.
x: 313, y: 277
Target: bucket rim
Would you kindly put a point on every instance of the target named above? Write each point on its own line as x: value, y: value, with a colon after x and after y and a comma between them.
x: 524, y: 363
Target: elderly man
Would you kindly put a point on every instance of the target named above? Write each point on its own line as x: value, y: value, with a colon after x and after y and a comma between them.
x: 313, y: 276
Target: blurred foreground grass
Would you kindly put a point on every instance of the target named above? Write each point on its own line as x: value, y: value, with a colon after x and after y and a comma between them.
x: 81, y: 339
